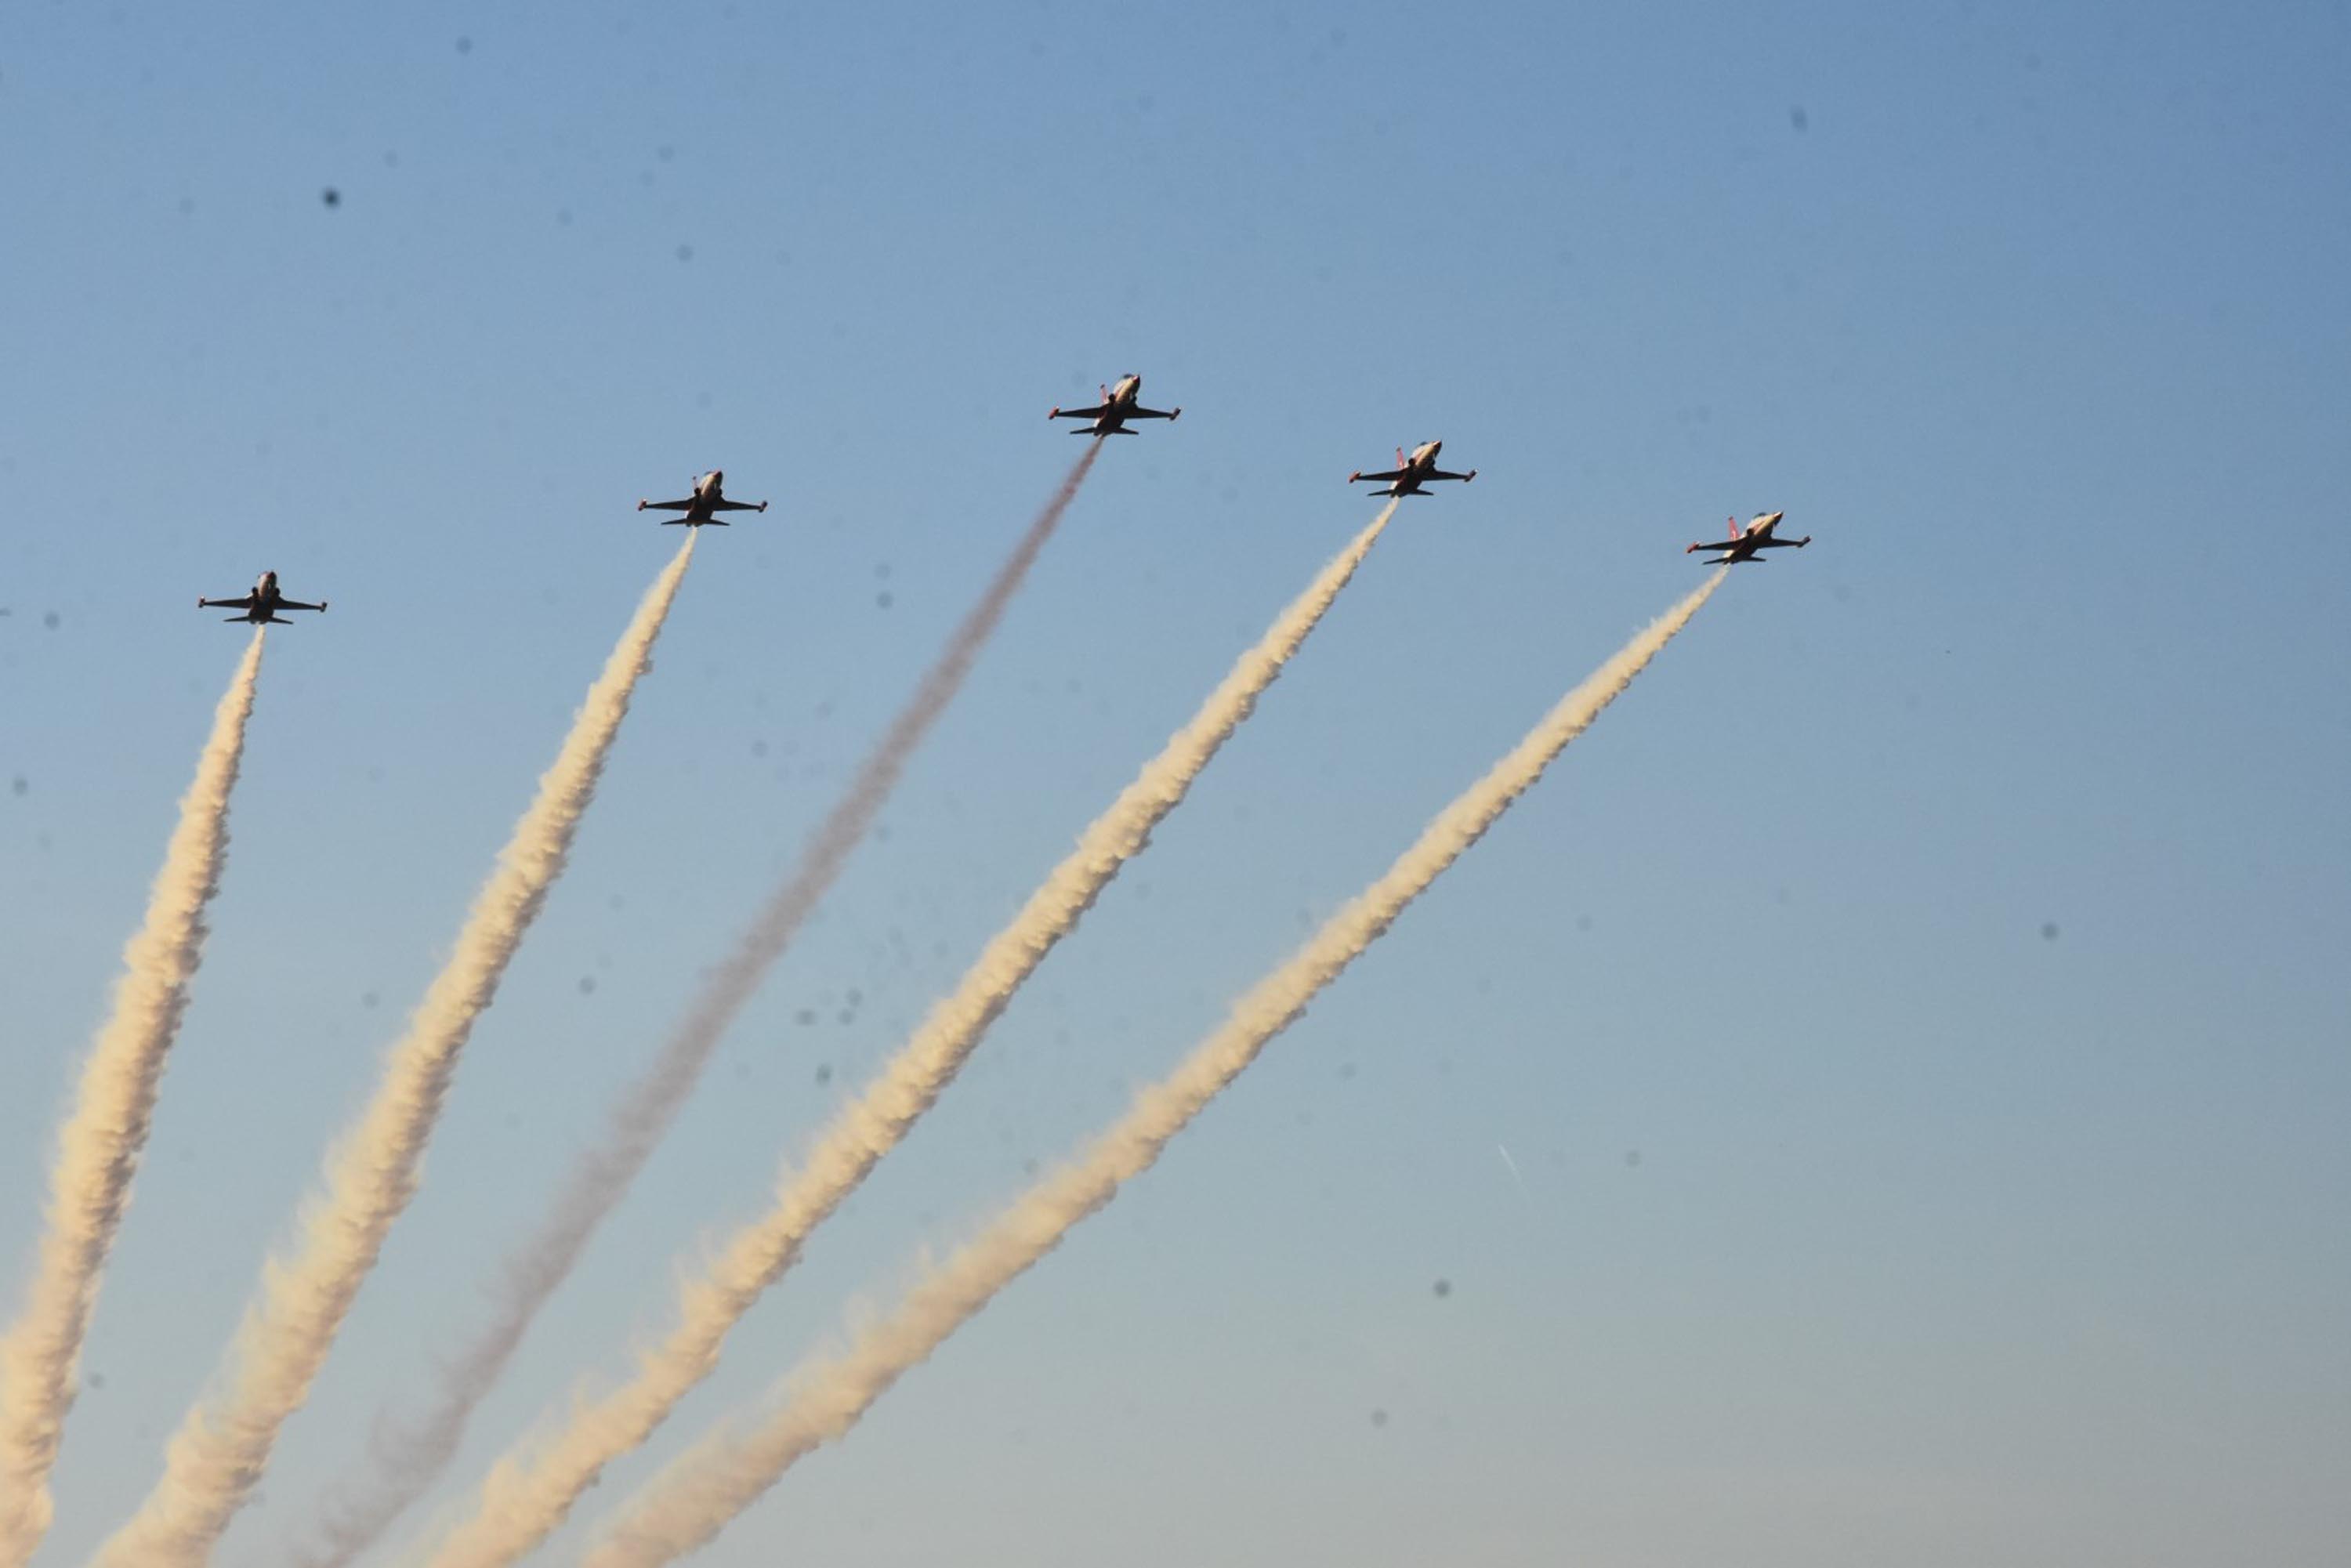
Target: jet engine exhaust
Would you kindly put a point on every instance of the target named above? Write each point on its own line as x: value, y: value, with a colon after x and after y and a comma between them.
x: 99, y: 1145
x: 697, y: 1496
x: 528, y: 1497
x: 217, y: 1456
x: 405, y: 1454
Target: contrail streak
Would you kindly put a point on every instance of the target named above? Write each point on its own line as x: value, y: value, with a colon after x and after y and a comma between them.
x: 221, y: 1450
x: 99, y: 1148
x: 698, y: 1495
x: 525, y: 1498
x: 404, y: 1455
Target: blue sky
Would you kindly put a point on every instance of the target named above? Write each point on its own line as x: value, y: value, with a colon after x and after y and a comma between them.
x: 1914, y: 1012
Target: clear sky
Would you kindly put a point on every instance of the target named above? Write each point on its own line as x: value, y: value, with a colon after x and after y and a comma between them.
x: 1881, y: 1099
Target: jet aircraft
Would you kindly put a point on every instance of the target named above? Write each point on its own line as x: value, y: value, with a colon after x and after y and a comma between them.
x: 1411, y: 473
x: 262, y: 605
x: 709, y: 497
x: 1117, y: 406
x: 1743, y: 543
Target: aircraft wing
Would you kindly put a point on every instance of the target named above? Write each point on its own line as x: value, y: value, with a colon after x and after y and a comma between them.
x: 244, y: 602
x: 298, y: 604
x: 1153, y: 412
x: 1441, y: 473
x: 685, y: 506
x: 1391, y: 474
x: 738, y: 505
x: 1094, y: 413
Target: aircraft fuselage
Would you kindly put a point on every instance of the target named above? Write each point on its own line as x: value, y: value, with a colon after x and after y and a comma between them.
x: 1743, y: 543
x: 702, y: 503
x: 1121, y: 401
x: 261, y: 606
x: 1411, y: 473
x: 708, y: 490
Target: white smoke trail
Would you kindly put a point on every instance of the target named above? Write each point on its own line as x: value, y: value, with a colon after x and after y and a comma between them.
x: 221, y: 1449
x: 403, y: 1456
x: 526, y: 1498
x: 698, y: 1495
x: 99, y: 1148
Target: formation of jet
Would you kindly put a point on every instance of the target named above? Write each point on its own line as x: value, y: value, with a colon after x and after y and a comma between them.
x: 1411, y: 473
x: 262, y: 605
x: 708, y: 500
x: 1117, y: 406
x: 1119, y: 403
x: 1743, y: 543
